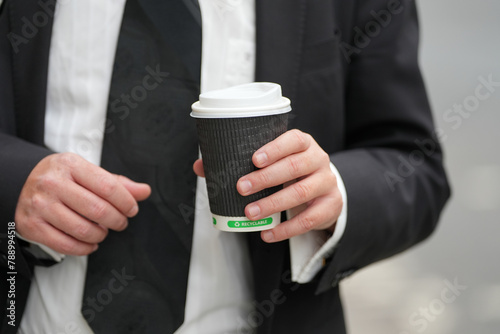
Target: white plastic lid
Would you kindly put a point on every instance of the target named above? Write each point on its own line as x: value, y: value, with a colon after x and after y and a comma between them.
x: 248, y: 100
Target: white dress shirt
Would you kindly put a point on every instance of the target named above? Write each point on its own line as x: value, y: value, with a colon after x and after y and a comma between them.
x: 219, y: 295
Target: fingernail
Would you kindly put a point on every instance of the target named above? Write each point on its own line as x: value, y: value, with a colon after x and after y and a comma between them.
x: 133, y: 211
x: 261, y: 158
x: 253, y: 210
x: 268, y: 236
x: 245, y: 186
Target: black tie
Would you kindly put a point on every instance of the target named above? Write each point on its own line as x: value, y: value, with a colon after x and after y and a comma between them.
x: 136, y: 282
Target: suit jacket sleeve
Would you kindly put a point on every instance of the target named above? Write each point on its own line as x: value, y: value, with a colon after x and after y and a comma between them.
x: 392, y: 165
x: 17, y: 156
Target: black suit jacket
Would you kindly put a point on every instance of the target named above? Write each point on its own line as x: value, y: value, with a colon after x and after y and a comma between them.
x: 354, y: 87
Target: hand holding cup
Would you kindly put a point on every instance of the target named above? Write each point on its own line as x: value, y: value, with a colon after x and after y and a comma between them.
x: 311, y: 191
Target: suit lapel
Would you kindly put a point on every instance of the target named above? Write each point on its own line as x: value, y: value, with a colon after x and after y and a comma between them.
x: 280, y: 32
x: 31, y: 31
x: 155, y: 143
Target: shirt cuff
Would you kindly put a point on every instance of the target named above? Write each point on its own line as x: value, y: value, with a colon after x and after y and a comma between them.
x: 309, y: 251
x: 42, y: 252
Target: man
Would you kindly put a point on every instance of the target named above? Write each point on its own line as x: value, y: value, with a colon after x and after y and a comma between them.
x: 351, y: 72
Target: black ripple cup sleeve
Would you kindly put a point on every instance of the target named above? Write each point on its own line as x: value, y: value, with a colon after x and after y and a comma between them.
x: 232, y: 124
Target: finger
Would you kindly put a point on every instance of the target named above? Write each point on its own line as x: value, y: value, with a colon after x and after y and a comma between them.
x: 290, y: 142
x: 71, y: 223
x: 198, y: 168
x: 284, y: 170
x: 322, y: 214
x: 292, y: 196
x: 106, y: 185
x: 140, y: 191
x: 93, y: 207
x: 59, y: 241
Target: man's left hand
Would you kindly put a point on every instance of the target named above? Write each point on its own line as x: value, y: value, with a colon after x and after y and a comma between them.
x: 296, y: 160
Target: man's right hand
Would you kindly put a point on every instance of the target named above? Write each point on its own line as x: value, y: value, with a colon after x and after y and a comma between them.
x: 68, y: 204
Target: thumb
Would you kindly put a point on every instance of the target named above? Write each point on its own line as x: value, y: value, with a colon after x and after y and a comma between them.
x: 140, y: 191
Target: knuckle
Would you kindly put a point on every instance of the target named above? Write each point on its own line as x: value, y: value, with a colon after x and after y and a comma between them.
x: 338, y: 201
x: 282, y: 232
x: 84, y: 231
x: 38, y: 202
x: 333, y: 177
x: 33, y: 225
x: 302, y: 191
x: 274, y: 148
x: 295, y: 166
x: 274, y: 203
x: 99, y: 210
x: 340, y: 204
x: 68, y: 159
x: 67, y: 246
x: 330, y: 181
x: 47, y: 182
x: 324, y: 157
x: 301, y: 138
x: 264, y: 177
x: 28, y: 227
x: 307, y: 222
x: 107, y: 185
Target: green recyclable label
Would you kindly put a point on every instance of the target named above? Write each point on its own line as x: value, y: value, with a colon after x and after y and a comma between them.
x: 249, y: 223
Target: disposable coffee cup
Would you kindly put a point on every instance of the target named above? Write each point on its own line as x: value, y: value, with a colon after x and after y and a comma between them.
x: 232, y: 124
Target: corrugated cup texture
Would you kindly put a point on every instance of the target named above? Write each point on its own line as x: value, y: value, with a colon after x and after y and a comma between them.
x: 227, y: 146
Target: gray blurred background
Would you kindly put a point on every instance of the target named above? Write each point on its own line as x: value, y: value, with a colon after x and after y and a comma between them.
x: 410, y: 293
